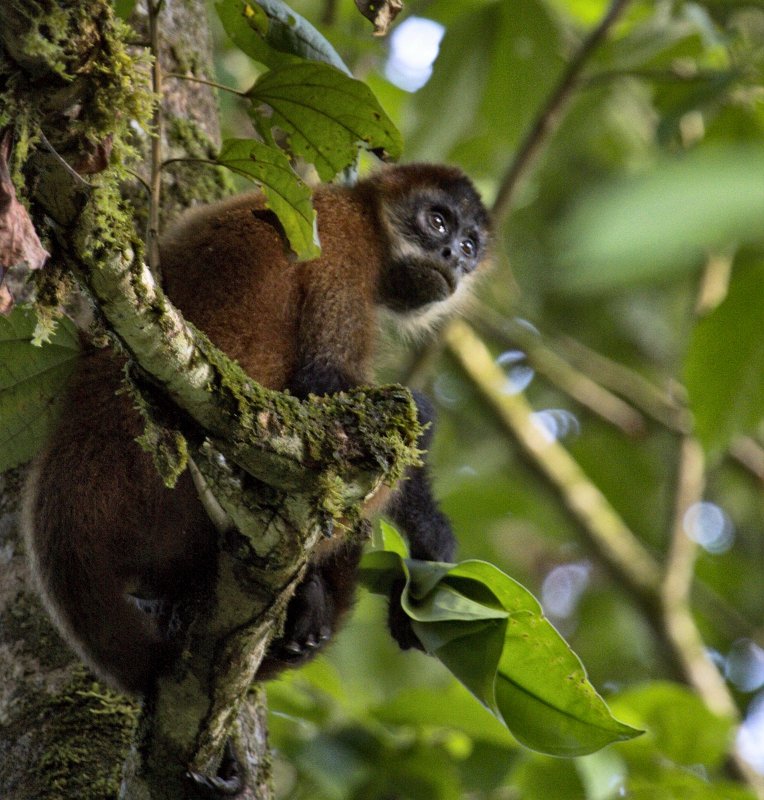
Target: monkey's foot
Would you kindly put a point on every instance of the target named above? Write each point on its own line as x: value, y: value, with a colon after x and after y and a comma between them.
x: 227, y: 783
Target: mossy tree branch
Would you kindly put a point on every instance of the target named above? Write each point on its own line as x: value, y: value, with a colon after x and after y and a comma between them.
x: 282, y: 469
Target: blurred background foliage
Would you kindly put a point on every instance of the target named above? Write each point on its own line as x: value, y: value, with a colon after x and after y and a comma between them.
x: 627, y: 305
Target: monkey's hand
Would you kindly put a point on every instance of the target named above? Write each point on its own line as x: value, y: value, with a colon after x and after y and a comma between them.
x: 399, y: 621
x: 309, y: 622
x: 309, y: 625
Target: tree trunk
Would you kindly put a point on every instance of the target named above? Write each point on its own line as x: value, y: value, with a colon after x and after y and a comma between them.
x: 62, y: 734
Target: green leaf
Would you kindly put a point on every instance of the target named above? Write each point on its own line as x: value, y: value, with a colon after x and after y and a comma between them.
x: 271, y: 33
x: 724, y: 370
x: 325, y: 115
x: 449, y: 707
x: 491, y: 634
x: 124, y: 8
x: 32, y: 380
x: 285, y: 193
x: 661, y: 224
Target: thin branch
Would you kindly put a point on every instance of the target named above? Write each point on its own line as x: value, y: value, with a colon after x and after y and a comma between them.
x: 329, y: 14
x: 603, y: 527
x: 154, y: 9
x: 677, y: 586
x: 671, y: 75
x: 680, y: 627
x: 749, y: 454
x: 559, y: 372
x: 214, y: 84
x: 549, y: 118
x: 640, y: 392
x: 180, y: 160
x: 65, y: 164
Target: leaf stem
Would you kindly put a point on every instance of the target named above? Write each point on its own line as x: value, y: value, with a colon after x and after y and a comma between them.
x: 213, y: 84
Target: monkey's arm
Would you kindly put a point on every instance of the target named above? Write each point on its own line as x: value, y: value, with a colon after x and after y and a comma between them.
x: 413, y: 508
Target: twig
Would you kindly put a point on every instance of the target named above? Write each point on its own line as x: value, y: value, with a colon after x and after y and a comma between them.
x: 214, y: 84
x: 672, y: 75
x: 548, y: 120
x: 329, y: 14
x: 677, y: 585
x: 653, y: 401
x: 181, y: 160
x: 680, y: 626
x: 573, y: 382
x: 599, y: 521
x: 750, y: 454
x: 158, y: 132
x: 714, y: 283
x: 65, y: 164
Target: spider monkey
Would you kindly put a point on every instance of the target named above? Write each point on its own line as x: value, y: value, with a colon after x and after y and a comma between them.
x: 102, y: 529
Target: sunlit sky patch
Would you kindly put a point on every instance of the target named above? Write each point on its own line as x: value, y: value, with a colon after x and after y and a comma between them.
x: 750, y: 736
x: 519, y: 372
x: 414, y: 47
x: 709, y: 526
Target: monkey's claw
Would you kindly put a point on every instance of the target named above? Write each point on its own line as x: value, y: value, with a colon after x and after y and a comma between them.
x: 227, y: 783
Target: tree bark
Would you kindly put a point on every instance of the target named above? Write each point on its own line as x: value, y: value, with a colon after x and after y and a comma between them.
x: 67, y: 71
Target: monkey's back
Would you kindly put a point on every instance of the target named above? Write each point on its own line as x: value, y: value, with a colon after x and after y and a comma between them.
x: 229, y: 269
x: 228, y: 273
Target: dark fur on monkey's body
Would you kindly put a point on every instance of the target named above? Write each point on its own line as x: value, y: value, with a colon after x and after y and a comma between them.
x: 100, y: 524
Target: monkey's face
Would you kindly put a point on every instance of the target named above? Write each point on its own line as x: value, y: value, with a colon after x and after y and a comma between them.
x: 438, y: 238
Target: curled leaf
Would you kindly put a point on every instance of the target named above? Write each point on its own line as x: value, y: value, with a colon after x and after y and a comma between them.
x: 490, y: 632
x: 270, y: 32
x: 285, y: 193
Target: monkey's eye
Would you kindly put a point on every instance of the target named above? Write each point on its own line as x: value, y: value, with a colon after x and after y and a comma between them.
x: 437, y: 221
x: 468, y: 247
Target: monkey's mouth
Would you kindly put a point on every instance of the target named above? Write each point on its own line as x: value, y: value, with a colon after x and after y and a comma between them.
x: 447, y: 277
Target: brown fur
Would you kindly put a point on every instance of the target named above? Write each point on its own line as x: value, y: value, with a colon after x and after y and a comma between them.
x: 98, y: 521
x: 256, y: 304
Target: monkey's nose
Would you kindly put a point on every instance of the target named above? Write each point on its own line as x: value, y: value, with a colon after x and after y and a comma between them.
x: 446, y: 252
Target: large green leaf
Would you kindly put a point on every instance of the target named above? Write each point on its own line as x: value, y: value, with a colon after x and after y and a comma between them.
x: 724, y: 370
x: 32, y: 379
x: 286, y: 194
x: 492, y: 635
x: 271, y: 33
x: 661, y: 224
x: 325, y: 114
